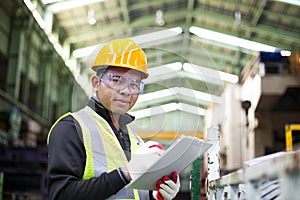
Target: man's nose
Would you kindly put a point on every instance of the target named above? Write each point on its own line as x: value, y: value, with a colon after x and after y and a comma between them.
x: 126, y: 90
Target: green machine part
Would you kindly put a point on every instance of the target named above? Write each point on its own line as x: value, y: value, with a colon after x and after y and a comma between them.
x: 196, y: 179
x: 1, y: 184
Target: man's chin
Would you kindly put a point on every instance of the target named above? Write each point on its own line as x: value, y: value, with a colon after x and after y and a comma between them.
x: 120, y: 111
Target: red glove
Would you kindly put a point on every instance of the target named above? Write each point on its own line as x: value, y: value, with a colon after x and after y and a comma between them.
x: 167, y: 187
x: 174, y: 177
x: 158, y: 145
x: 158, y: 195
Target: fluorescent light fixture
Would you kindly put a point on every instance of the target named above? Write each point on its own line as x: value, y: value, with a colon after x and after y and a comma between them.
x: 199, y: 95
x: 83, y: 52
x: 158, y: 35
x: 29, y: 5
x: 155, y: 95
x: 285, y: 53
x: 230, y: 40
x: 54, y: 41
x: 232, y: 78
x: 50, y: 1
x: 58, y: 48
x: 165, y: 69
x: 39, y: 19
x: 193, y: 94
x: 52, y: 38
x: 37, y: 16
x: 163, y: 109
x: 66, y: 5
x: 191, y: 109
x: 155, y: 110
x: 150, y: 37
x: 210, y: 73
x: 194, y: 69
x: 293, y: 2
x: 69, y: 63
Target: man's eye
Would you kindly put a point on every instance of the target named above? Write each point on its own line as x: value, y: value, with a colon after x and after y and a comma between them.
x: 135, y: 85
x: 116, y: 78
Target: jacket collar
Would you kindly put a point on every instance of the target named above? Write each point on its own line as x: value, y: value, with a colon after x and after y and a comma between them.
x: 96, y: 105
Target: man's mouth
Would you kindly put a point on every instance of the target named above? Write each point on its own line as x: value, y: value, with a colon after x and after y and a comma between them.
x: 123, y: 101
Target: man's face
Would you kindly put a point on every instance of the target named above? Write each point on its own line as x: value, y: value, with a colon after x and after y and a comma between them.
x: 118, y: 101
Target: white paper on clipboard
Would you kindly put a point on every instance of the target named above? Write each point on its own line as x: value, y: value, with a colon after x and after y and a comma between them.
x: 177, y: 157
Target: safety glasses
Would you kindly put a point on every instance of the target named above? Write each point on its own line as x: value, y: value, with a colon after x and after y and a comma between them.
x: 118, y: 82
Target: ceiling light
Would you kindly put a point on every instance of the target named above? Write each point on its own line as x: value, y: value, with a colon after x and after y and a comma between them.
x: 155, y: 110
x: 58, y: 48
x: 163, y: 109
x: 52, y: 38
x: 210, y: 73
x: 37, y: 16
x: 159, y: 18
x: 91, y: 18
x: 158, y: 35
x: 83, y: 52
x: 41, y: 22
x: 155, y: 95
x: 293, y: 2
x: 165, y: 69
x: 285, y: 53
x: 199, y: 95
x: 29, y: 5
x: 231, y: 40
x: 193, y: 94
x: 237, y: 16
x: 69, y: 63
x: 66, y: 5
x: 50, y: 1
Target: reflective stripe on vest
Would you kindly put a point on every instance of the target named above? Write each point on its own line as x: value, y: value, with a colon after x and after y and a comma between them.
x: 105, y: 156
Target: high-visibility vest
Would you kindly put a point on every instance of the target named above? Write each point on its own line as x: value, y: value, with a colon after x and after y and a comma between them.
x: 103, y: 150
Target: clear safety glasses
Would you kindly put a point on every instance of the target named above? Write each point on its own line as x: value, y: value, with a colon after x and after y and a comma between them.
x: 118, y: 82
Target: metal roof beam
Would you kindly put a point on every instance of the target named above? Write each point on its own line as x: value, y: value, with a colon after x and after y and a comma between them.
x: 146, y: 4
x: 124, y: 8
x: 81, y: 36
x: 98, y: 15
x: 148, y: 21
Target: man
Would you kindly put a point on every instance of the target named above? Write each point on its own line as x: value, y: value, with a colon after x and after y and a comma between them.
x: 91, y: 151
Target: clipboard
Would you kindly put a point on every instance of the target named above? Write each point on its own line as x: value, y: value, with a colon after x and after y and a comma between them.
x: 177, y: 157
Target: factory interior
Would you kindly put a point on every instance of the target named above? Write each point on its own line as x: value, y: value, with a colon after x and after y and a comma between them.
x: 232, y: 64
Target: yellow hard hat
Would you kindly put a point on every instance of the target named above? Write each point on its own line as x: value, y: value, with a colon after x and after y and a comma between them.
x: 122, y: 53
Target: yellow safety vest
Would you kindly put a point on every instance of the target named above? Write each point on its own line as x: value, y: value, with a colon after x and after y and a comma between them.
x: 103, y: 150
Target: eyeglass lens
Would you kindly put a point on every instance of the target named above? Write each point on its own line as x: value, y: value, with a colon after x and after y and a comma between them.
x: 118, y: 82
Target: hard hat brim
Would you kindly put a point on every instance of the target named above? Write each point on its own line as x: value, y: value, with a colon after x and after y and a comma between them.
x: 144, y: 75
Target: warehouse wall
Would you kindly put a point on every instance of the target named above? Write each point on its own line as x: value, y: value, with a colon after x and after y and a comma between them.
x: 36, y: 87
x: 34, y: 77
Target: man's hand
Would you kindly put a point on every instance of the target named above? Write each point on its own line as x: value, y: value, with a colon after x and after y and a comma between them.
x: 167, y: 188
x: 143, y: 158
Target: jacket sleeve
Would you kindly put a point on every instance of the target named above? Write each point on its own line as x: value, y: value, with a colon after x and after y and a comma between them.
x: 66, y: 164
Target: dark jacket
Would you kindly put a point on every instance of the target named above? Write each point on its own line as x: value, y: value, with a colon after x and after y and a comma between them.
x: 66, y: 161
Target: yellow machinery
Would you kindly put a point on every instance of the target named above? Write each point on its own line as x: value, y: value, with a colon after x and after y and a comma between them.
x: 289, y: 128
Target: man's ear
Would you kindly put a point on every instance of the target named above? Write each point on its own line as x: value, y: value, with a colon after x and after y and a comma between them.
x: 95, y: 81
